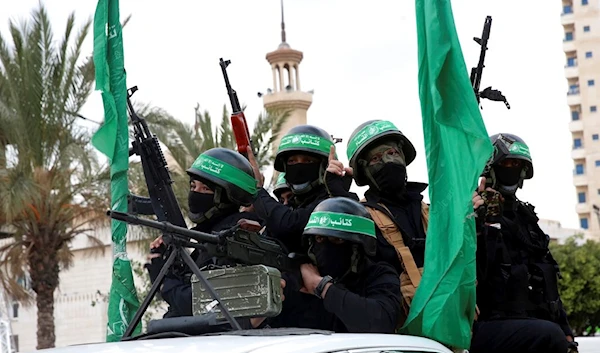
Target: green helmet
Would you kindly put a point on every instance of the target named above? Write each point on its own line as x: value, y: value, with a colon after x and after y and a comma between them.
x: 512, y: 146
x: 370, y: 134
x: 281, y: 185
x: 227, y: 172
x: 305, y: 139
x: 343, y: 218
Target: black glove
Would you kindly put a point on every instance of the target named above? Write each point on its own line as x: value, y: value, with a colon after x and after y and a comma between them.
x: 573, y: 347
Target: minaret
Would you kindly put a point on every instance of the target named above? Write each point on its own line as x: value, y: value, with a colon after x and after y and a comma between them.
x: 286, y: 93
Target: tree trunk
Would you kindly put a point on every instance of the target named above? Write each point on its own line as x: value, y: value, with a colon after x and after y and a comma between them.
x: 43, y: 265
x: 45, y: 318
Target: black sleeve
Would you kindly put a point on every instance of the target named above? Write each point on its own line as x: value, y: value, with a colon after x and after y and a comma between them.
x: 563, y: 322
x: 280, y: 219
x: 377, y: 311
x: 337, y: 186
x: 178, y: 294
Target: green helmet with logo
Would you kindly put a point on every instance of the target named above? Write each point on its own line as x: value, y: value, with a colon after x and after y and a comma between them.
x: 226, y: 172
x: 344, y: 218
x: 281, y: 185
x: 305, y: 139
x: 370, y: 134
x: 512, y: 146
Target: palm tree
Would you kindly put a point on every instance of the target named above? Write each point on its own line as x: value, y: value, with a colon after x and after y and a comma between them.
x: 49, y: 188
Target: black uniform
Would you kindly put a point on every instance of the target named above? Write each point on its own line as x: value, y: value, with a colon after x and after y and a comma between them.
x: 406, y: 214
x: 176, y: 289
x: 517, y: 292
x: 369, y: 303
x: 286, y: 223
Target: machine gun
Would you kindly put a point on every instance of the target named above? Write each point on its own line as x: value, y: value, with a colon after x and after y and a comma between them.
x: 239, y: 244
x: 163, y: 204
x: 488, y: 93
x: 239, y: 125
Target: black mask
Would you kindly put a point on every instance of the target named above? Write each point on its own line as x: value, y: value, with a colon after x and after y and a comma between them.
x: 200, y: 203
x: 332, y: 259
x: 301, y: 173
x: 507, y: 176
x: 391, y: 178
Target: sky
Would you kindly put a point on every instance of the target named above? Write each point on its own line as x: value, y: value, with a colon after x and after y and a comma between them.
x: 361, y: 61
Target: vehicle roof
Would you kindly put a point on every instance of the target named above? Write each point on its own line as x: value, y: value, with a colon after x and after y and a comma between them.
x: 232, y: 343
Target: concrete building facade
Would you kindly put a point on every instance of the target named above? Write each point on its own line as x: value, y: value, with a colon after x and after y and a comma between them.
x: 581, y: 44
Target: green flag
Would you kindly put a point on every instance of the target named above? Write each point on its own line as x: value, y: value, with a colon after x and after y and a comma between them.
x: 457, y: 148
x: 112, y: 139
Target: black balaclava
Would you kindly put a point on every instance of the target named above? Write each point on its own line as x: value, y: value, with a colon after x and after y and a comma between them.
x: 389, y: 174
x: 303, y: 177
x: 335, y: 260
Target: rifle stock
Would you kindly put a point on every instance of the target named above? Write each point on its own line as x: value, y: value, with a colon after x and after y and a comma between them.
x: 239, y: 125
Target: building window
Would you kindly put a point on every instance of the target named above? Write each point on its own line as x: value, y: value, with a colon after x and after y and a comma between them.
x: 15, y: 342
x: 567, y: 9
x: 568, y: 36
x: 583, y: 223
x: 598, y: 191
x: 584, y: 2
x: 591, y: 83
x: 573, y: 89
x: 571, y: 62
x: 574, y: 115
x: 588, y: 54
x: 598, y: 163
x: 586, y: 28
x: 15, y: 310
x: 579, y: 169
x: 593, y: 108
x: 595, y: 137
x: 577, y: 143
x: 581, y: 197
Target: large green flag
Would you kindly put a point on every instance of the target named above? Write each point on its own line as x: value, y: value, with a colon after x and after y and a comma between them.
x: 457, y: 148
x: 112, y: 139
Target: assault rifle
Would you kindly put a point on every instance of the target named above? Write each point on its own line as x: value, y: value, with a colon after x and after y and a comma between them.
x: 488, y: 93
x: 239, y: 125
x: 163, y: 204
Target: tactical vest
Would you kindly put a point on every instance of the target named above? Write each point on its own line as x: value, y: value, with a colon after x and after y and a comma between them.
x: 526, y: 284
x: 411, y: 274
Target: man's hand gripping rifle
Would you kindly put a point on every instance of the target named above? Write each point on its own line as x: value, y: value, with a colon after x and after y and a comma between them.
x: 164, y: 205
x: 488, y: 93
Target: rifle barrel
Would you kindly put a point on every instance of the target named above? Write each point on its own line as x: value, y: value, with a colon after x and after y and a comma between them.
x: 167, y: 227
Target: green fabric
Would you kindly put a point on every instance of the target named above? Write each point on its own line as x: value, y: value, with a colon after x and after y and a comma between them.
x: 281, y: 182
x: 312, y: 142
x: 112, y: 139
x: 341, y: 221
x: 520, y: 149
x: 225, y: 171
x: 457, y: 148
x: 366, y: 133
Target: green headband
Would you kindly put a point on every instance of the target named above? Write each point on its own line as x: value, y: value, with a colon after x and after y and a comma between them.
x: 225, y: 171
x: 312, y: 142
x: 366, y: 133
x: 520, y: 149
x: 341, y: 221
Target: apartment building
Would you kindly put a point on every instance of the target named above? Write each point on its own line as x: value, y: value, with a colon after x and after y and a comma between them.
x: 581, y: 44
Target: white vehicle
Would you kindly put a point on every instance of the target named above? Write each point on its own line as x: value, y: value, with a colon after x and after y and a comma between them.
x: 269, y: 341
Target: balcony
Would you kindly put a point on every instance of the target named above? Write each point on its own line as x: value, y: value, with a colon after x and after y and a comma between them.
x: 569, y: 45
x: 580, y: 180
x: 578, y: 153
x: 571, y: 71
x: 573, y: 98
x: 567, y: 18
x: 582, y: 208
x: 576, y: 125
